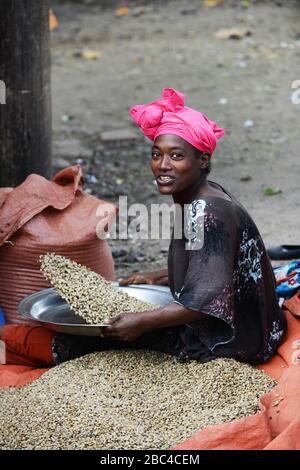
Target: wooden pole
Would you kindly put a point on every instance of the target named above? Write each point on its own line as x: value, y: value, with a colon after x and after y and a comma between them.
x: 25, y: 118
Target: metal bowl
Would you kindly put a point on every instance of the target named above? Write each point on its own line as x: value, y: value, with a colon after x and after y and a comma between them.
x: 50, y: 310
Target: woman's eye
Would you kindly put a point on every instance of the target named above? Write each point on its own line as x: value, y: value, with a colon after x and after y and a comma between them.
x: 177, y: 156
x: 155, y: 155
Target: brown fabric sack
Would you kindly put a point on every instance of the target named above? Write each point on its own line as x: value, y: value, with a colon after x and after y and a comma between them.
x: 41, y: 216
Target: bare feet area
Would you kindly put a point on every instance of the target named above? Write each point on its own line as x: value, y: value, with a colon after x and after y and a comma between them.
x: 104, y: 61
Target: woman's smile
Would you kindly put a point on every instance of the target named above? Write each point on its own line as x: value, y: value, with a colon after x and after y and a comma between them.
x: 165, y: 180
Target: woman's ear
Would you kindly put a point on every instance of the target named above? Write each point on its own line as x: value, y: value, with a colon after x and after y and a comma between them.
x: 204, y: 160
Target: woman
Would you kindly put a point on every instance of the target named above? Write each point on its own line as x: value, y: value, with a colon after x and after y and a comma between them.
x: 225, y: 304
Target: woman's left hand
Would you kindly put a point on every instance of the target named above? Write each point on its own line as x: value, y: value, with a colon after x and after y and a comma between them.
x: 125, y: 327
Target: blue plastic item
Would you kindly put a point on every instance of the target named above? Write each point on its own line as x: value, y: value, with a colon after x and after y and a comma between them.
x: 287, y: 279
x: 2, y: 318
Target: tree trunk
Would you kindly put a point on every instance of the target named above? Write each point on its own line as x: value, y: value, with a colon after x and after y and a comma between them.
x: 25, y: 118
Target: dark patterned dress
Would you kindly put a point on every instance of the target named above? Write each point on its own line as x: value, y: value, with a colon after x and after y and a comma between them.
x: 218, y: 266
x: 222, y: 270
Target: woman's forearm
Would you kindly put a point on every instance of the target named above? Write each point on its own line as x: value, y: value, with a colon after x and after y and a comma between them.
x: 171, y: 315
x: 162, y: 277
x: 129, y: 326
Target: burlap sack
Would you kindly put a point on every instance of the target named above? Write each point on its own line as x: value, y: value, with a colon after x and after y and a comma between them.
x: 41, y: 216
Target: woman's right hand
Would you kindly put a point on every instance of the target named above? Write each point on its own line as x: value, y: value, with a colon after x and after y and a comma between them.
x: 154, y: 277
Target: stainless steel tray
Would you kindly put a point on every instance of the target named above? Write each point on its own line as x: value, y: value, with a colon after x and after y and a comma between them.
x: 49, y: 309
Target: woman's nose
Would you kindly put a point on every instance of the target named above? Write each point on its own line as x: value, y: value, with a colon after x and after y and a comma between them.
x: 165, y: 163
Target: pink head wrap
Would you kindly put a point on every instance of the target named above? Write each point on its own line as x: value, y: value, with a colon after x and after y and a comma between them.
x: 169, y: 116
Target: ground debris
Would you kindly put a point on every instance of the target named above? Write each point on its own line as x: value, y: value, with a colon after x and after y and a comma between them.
x: 232, y: 33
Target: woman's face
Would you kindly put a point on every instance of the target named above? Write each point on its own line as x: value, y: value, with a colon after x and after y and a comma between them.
x: 175, y: 164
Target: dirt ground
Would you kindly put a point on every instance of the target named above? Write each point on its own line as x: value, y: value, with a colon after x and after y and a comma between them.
x: 245, y: 85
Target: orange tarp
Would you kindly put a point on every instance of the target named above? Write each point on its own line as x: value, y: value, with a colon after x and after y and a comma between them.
x: 276, y: 426
x: 16, y: 376
x: 21, y: 353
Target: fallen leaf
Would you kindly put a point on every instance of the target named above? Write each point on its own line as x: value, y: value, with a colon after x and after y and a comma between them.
x: 122, y: 11
x: 271, y: 191
x: 246, y: 178
x: 89, y: 54
x: 212, y: 3
x: 232, y: 33
x: 53, y: 23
